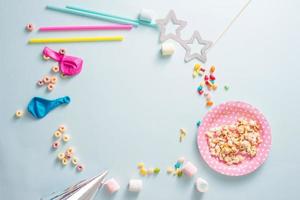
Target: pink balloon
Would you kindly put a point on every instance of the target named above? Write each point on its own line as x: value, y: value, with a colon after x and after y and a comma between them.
x: 68, y: 65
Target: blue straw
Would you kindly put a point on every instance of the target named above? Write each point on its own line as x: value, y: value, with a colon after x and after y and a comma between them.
x: 101, y: 13
x: 85, y: 14
x: 110, y: 15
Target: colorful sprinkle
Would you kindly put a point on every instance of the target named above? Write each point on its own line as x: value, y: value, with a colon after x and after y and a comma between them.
x: 156, y: 170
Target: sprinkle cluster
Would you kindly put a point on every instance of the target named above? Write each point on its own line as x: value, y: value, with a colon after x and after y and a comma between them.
x: 208, y: 81
x: 147, y: 171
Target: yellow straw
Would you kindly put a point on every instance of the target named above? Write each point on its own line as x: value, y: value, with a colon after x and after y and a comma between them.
x: 75, y: 39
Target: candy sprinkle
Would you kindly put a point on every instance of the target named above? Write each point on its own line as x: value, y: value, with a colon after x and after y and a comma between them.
x: 156, y: 170
x: 226, y: 87
x: 198, y: 123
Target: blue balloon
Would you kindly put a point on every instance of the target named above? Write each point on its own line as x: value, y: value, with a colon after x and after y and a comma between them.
x: 40, y: 107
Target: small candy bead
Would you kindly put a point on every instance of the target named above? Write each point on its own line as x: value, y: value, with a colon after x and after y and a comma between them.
x: 79, y: 168
x: 74, y: 160
x: 19, y: 113
x: 135, y: 185
x: 66, y: 138
x: 112, y: 185
x: 46, y: 79
x: 200, y: 92
x: 50, y: 86
x: 208, y: 96
x: 61, y: 156
x: 70, y: 150
x: 141, y: 165
x: 201, y: 185
x: 199, y: 88
x: 226, y: 87
x: 53, y: 80
x: 45, y: 57
x: 177, y: 165
x: 156, y: 170
x: 64, y: 161
x: 212, y: 77
x: 150, y: 171
x: 198, y: 123
x: 40, y: 82
x: 143, y: 172
x: 208, y: 83
x: 212, y: 69
x: 181, y: 159
x: 62, y: 51
x: 205, y: 77
x: 62, y: 128
x: 197, y: 67
x: 209, y: 103
x: 68, y: 155
x: 179, y: 173
x: 57, y: 134
x: 55, y: 69
x: 170, y: 170
x: 29, y: 27
x: 202, y: 69
x: 55, y: 144
x: 189, y: 169
x: 214, y: 86
x: 212, y: 81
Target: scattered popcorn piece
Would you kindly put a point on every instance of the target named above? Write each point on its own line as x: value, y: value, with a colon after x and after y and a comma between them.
x: 135, y: 185
x: 233, y: 143
x: 112, y: 185
x: 182, y: 134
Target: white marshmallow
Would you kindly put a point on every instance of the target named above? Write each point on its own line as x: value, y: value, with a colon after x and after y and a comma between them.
x: 167, y: 49
x: 146, y: 15
x: 201, y: 185
x: 135, y: 185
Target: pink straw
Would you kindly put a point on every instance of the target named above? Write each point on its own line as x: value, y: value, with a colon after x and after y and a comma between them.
x: 84, y: 28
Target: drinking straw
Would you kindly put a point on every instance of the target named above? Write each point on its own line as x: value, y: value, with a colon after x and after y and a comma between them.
x: 101, y: 13
x: 81, y: 28
x: 75, y: 39
x: 85, y: 14
x: 110, y: 15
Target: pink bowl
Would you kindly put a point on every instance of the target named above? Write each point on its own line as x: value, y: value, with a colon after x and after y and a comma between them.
x: 228, y: 113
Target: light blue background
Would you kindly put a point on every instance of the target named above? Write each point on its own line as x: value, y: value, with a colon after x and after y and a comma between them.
x: 129, y: 103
